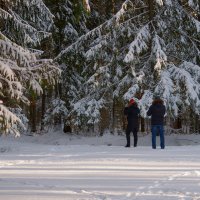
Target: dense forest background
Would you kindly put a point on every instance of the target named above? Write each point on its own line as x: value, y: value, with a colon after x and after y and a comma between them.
x: 74, y: 64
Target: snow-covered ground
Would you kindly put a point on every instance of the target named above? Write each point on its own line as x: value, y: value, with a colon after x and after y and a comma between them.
x: 56, y: 166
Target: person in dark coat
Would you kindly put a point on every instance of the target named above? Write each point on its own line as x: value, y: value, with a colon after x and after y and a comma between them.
x: 132, y: 112
x: 157, y: 111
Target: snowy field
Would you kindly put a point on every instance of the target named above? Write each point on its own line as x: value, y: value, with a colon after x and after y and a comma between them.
x: 59, y: 167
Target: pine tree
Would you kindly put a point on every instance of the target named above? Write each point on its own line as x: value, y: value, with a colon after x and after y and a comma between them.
x: 143, y: 50
x: 22, y: 69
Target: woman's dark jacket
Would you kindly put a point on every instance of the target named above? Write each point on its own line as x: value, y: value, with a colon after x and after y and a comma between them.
x: 157, y: 112
x: 132, y: 112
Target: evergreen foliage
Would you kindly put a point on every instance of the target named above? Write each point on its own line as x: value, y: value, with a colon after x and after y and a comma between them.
x: 137, y: 53
x: 109, y: 52
x: 26, y: 22
x: 69, y: 22
x: 56, y: 109
x: 22, y: 69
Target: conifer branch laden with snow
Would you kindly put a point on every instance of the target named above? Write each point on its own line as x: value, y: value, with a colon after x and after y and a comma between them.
x: 55, y: 110
x: 22, y: 25
x: 9, y: 121
x: 20, y: 70
x: 154, y: 56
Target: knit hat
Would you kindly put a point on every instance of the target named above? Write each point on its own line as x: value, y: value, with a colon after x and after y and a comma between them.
x: 131, y: 101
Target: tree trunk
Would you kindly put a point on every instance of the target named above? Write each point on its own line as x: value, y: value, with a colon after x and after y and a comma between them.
x: 118, y: 116
x: 177, y: 123
x: 142, y: 124
x: 57, y: 119
x: 150, y: 4
x: 43, y: 109
x: 33, y: 114
x: 105, y: 120
x: 197, y: 123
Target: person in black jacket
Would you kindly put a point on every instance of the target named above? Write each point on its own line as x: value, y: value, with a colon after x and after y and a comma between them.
x: 157, y: 111
x: 132, y: 112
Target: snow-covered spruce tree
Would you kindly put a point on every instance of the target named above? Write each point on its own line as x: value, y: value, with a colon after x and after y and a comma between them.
x: 69, y: 21
x: 69, y: 24
x: 21, y: 69
x: 56, y: 110
x: 22, y: 127
x: 21, y: 72
x: 145, y: 49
